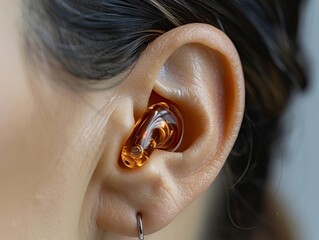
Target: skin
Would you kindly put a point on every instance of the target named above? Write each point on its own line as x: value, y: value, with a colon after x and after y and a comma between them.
x: 60, y: 145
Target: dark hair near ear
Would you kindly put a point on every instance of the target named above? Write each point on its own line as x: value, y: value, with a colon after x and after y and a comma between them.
x: 99, y: 39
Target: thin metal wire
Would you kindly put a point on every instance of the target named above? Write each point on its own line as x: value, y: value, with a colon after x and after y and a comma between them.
x: 140, y: 227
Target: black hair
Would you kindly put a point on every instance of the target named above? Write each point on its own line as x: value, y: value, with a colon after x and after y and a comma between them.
x: 99, y: 39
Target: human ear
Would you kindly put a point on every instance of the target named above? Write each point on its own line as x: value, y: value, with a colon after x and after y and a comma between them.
x: 196, y: 68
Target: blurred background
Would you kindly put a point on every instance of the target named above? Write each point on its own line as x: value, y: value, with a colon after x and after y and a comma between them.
x: 296, y: 169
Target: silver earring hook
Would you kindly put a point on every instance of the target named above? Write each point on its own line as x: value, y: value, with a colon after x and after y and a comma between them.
x: 140, y: 227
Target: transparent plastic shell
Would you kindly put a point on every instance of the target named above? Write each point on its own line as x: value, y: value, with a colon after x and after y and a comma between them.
x: 160, y: 127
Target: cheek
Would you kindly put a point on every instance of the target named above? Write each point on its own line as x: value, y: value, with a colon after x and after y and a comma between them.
x: 15, y: 99
x: 37, y: 121
x: 16, y: 112
x: 50, y: 138
x: 48, y: 142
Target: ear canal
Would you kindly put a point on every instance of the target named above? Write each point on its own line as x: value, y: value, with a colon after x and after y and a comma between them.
x: 161, y: 126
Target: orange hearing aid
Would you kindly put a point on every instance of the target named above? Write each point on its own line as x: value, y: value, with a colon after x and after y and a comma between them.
x: 161, y: 126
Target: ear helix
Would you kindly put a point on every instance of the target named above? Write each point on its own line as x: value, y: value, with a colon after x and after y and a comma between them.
x: 161, y: 126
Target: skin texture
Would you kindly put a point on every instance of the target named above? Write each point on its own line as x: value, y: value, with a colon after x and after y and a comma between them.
x: 59, y: 145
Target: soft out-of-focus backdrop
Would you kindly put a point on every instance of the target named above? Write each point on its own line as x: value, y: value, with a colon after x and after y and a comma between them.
x: 296, y: 175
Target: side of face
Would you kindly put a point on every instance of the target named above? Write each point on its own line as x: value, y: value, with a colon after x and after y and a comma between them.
x: 60, y: 146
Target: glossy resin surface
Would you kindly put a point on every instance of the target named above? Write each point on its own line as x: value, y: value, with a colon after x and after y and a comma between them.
x: 161, y: 126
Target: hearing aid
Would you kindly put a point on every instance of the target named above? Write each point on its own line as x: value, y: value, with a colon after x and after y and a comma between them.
x: 160, y: 127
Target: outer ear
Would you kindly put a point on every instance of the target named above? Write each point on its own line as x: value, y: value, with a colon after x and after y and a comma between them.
x: 197, y: 68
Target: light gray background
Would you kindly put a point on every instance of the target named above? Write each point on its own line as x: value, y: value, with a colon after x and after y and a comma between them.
x: 296, y: 175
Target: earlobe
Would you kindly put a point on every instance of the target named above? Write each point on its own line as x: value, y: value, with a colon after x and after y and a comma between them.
x: 195, y: 68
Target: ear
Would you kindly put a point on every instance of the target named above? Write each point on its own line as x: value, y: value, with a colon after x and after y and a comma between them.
x: 195, y: 67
